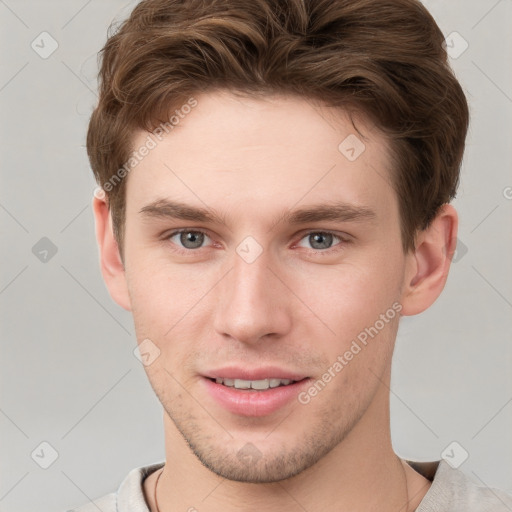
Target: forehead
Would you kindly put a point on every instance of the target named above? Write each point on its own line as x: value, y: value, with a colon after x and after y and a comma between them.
x: 263, y: 154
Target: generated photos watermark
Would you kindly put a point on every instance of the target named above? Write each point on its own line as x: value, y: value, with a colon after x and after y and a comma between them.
x: 150, y: 143
x: 304, y: 397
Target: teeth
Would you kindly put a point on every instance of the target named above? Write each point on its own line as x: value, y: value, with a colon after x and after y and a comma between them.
x: 260, y: 385
x: 274, y: 383
x: 242, y: 384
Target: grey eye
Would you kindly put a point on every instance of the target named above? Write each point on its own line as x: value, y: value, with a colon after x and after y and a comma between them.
x: 320, y: 240
x: 190, y: 239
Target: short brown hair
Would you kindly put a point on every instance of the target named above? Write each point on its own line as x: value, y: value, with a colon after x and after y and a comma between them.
x: 384, y: 58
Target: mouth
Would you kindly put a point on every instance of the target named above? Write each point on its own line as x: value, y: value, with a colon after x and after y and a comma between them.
x: 254, y: 385
x: 254, y: 395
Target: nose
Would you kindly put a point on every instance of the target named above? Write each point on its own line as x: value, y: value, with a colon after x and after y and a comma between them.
x: 253, y: 302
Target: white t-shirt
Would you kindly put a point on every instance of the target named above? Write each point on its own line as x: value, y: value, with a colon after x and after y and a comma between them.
x: 451, y: 491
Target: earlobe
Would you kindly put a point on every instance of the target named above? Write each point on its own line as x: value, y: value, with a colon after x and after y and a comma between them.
x: 428, y: 265
x: 111, y: 265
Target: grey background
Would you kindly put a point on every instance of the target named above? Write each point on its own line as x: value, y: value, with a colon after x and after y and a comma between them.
x: 68, y: 373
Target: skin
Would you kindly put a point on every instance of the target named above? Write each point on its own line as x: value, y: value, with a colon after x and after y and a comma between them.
x: 251, y: 160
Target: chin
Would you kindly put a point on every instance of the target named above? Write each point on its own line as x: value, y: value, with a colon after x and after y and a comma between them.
x: 261, y: 472
x: 257, y: 463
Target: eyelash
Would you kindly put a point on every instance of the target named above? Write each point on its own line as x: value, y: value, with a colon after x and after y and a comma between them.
x: 179, y: 250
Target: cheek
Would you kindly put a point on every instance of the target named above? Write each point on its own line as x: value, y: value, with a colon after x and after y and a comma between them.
x: 163, y: 293
x: 349, y: 297
x: 169, y: 307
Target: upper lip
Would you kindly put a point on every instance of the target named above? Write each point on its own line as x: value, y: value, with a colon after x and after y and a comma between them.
x: 260, y: 373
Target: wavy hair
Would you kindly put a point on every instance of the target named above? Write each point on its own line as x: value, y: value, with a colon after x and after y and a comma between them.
x: 383, y: 58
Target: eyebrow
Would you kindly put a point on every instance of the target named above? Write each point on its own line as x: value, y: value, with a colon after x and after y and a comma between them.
x: 333, y: 211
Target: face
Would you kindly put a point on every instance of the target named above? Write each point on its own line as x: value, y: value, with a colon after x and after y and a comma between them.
x: 292, y: 270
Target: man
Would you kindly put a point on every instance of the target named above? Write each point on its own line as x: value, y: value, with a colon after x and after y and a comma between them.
x: 275, y: 184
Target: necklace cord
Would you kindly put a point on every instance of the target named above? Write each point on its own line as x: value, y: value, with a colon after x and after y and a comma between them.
x: 156, y: 486
x: 406, y: 488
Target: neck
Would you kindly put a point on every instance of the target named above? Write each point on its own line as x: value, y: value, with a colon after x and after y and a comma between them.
x: 361, y: 473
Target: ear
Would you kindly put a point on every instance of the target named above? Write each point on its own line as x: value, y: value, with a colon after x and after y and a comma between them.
x: 112, y: 267
x: 428, y: 265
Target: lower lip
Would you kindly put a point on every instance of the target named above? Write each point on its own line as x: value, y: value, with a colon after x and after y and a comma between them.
x: 253, y: 403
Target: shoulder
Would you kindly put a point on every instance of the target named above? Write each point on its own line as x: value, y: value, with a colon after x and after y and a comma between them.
x: 452, y: 490
x: 129, y: 496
